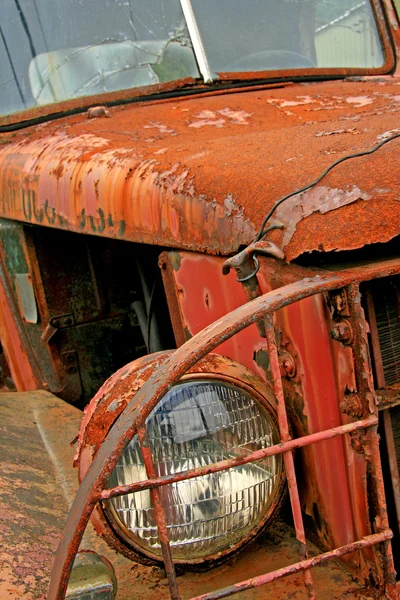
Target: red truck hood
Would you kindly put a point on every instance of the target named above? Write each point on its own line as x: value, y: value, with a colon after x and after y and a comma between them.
x: 201, y: 173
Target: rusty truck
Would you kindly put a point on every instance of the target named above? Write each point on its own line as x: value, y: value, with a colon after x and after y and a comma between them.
x: 200, y: 288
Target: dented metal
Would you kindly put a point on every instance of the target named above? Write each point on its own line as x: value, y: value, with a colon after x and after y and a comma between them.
x: 194, y: 171
x: 171, y: 370
x: 138, y: 177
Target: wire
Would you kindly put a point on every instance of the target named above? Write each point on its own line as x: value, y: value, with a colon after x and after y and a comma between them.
x: 263, y: 231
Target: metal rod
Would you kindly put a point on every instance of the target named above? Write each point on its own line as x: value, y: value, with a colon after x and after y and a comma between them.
x: 197, y: 42
x: 241, y: 460
x: 365, y: 387
x: 287, y: 456
x: 375, y: 346
x: 381, y: 520
x: 248, y: 584
x: 160, y: 381
x: 394, y: 467
x: 159, y: 515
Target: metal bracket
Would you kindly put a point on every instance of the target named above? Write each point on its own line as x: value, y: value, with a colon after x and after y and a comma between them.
x: 56, y: 323
x: 246, y: 266
x: 245, y: 263
x: 69, y: 359
x: 338, y: 304
x: 342, y: 331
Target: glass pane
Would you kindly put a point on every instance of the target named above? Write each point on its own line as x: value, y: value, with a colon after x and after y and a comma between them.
x: 54, y: 50
x: 197, y: 424
x: 288, y: 34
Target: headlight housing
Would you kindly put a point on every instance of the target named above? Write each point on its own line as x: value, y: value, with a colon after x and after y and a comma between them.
x: 218, y: 411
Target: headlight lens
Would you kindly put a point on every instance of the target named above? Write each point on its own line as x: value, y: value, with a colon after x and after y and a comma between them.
x: 196, y: 424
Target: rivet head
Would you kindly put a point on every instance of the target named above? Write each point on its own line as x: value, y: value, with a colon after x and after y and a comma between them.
x: 342, y: 332
x: 287, y: 365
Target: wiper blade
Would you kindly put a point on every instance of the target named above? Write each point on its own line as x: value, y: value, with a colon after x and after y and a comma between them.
x: 197, y: 42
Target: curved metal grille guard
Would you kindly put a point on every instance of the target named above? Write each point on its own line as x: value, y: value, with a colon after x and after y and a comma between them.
x: 132, y: 420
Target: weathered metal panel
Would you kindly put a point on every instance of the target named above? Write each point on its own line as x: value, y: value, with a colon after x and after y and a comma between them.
x: 24, y: 369
x: 173, y: 367
x: 37, y: 484
x: 34, y: 499
x: 334, y: 490
x: 201, y: 173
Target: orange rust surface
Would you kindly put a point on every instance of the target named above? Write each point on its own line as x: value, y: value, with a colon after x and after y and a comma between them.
x: 160, y: 381
x: 201, y: 173
x: 22, y: 373
x: 325, y: 369
x: 29, y: 530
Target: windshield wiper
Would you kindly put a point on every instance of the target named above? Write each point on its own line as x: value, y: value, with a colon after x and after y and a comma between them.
x: 197, y: 42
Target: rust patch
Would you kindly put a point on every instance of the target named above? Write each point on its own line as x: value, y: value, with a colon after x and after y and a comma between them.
x: 266, y: 144
x: 173, y: 367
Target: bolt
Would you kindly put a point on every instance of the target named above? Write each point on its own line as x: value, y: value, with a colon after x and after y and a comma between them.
x: 55, y: 323
x: 352, y: 405
x: 342, y: 332
x: 338, y: 300
x: 357, y: 441
x: 69, y: 357
x: 68, y: 321
x: 71, y: 369
x: 287, y: 365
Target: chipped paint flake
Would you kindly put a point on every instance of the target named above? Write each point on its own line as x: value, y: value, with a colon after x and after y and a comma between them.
x: 353, y: 131
x: 387, y: 134
x: 161, y: 151
x: 232, y: 208
x: 239, y: 117
x: 160, y: 126
x: 218, y: 118
x: 319, y: 199
x: 203, y: 122
x: 360, y: 101
x: 299, y: 101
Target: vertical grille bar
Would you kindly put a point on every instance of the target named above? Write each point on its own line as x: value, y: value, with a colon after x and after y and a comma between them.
x: 287, y: 456
x: 366, y: 391
x: 383, y: 307
x: 384, y: 317
x: 167, y: 373
x: 393, y: 458
x: 159, y: 515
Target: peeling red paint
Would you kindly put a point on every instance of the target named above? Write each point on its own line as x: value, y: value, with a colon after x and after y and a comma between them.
x: 107, y: 177
x: 323, y: 377
x: 173, y: 367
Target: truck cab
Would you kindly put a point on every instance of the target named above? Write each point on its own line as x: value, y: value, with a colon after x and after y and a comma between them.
x: 199, y: 272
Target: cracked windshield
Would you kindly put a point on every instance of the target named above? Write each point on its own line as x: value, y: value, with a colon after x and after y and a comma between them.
x: 56, y: 50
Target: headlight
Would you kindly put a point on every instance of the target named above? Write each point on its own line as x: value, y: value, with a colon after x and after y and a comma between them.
x: 202, y: 420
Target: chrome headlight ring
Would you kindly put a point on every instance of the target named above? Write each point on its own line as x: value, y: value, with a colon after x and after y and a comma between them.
x: 218, y: 410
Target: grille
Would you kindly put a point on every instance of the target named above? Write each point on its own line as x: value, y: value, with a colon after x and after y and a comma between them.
x: 395, y: 418
x: 386, y: 300
x: 383, y: 308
